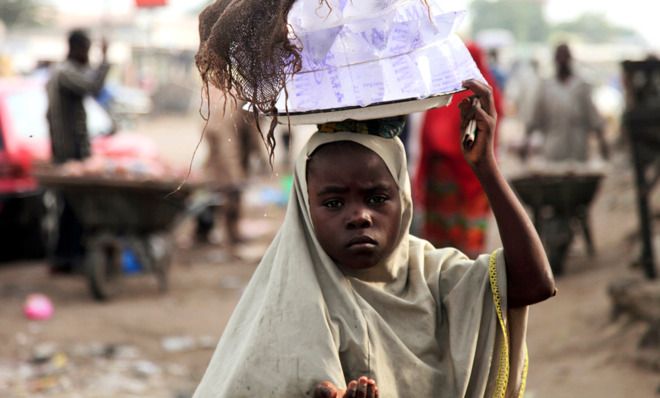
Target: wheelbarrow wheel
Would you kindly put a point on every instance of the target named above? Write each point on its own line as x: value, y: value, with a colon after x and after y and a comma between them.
x: 557, y: 259
x: 161, y: 254
x: 557, y: 237
x: 103, y: 265
x: 154, y: 254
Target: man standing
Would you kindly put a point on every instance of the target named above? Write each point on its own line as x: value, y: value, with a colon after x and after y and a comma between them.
x: 565, y: 113
x: 228, y: 127
x: 69, y: 84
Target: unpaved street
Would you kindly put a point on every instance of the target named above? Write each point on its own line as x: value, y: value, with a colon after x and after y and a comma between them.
x: 147, y: 344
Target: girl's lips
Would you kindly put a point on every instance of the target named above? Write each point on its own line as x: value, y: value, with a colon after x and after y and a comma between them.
x: 362, y: 241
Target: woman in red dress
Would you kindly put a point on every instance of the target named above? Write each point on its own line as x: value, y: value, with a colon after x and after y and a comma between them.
x: 455, y: 208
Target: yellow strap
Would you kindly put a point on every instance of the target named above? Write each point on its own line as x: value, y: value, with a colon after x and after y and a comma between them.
x: 503, y: 369
x: 523, y: 383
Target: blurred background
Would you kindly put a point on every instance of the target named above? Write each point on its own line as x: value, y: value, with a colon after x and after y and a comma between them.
x: 174, y: 222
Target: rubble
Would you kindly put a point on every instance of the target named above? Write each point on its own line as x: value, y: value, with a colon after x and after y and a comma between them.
x: 639, y: 299
x: 178, y: 343
x: 97, y: 369
x: 175, y: 344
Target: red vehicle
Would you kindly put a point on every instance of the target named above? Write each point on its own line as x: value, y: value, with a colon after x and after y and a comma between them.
x: 27, y: 214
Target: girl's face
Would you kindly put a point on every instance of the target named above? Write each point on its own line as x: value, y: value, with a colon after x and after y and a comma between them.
x: 354, y: 203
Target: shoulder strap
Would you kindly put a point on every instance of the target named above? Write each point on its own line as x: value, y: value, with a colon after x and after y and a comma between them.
x: 503, y: 367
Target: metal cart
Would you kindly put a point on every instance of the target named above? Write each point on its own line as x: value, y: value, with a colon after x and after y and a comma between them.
x: 121, y: 216
x: 560, y: 206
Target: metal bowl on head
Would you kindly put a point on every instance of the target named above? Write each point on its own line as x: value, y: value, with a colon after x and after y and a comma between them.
x: 374, y: 111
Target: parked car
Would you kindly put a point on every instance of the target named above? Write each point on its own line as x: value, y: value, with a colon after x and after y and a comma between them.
x: 27, y: 215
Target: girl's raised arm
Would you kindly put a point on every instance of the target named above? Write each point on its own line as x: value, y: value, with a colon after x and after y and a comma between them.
x: 529, y: 277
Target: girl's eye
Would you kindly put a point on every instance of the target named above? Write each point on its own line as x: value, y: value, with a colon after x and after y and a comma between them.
x: 333, y: 204
x: 377, y: 199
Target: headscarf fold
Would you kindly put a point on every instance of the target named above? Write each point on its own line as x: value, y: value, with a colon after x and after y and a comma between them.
x: 422, y: 323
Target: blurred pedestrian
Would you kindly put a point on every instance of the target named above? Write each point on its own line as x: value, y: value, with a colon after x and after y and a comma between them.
x: 449, y: 196
x: 565, y: 114
x: 522, y: 88
x: 70, y: 83
x: 227, y: 133
x: 499, y: 75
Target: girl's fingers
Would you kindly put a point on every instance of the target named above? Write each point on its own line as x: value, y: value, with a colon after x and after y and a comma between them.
x: 476, y: 86
x: 467, y: 111
x: 371, y: 389
x: 483, y: 92
x: 465, y: 105
x: 480, y: 89
x: 362, y: 387
x: 351, y: 390
x: 325, y: 390
x: 480, y: 114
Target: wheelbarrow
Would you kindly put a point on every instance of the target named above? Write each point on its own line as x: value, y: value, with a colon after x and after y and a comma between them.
x: 560, y: 207
x: 124, y: 221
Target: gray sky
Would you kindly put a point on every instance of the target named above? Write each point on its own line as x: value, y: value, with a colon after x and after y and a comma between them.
x: 95, y: 7
x: 640, y: 15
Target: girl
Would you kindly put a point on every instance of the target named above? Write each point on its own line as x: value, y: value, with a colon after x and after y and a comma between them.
x: 345, y: 303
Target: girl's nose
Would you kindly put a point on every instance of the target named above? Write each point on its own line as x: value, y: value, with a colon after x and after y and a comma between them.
x: 359, y: 218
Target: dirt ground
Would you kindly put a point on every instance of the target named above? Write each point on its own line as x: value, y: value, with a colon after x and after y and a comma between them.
x: 147, y: 344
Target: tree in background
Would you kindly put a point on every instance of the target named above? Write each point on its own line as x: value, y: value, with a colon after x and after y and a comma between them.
x: 524, y: 18
x: 595, y: 28
x: 23, y: 12
x: 526, y: 21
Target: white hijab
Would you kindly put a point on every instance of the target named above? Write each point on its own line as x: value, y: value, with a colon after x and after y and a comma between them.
x: 422, y: 324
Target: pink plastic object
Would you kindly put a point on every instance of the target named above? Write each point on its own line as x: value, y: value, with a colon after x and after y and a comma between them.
x: 125, y: 145
x: 38, y: 307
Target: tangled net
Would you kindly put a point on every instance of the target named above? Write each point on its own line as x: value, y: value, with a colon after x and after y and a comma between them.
x: 245, y: 51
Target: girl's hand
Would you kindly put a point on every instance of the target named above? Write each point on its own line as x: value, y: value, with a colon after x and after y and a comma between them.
x: 361, y: 388
x: 481, y: 108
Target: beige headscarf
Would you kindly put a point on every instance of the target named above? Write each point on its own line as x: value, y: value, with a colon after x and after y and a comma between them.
x: 422, y: 324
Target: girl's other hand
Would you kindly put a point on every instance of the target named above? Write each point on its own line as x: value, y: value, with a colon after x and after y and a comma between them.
x: 481, y: 108
x: 364, y: 387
